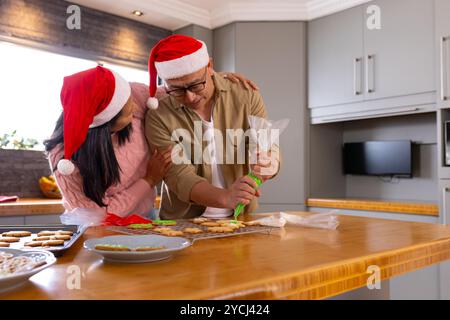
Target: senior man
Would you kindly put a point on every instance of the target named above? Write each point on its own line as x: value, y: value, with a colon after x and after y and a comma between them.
x: 200, y: 109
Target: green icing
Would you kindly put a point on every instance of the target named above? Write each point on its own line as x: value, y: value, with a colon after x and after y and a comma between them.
x: 163, y: 222
x: 140, y: 226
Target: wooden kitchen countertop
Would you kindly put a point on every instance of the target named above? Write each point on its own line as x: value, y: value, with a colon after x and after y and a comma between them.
x: 289, y: 263
x: 31, y: 206
x: 38, y: 206
x: 429, y: 209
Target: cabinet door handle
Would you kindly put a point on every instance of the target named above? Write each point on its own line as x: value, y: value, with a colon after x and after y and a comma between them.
x: 444, y: 70
x: 370, y: 78
x: 444, y: 205
x: 356, y: 76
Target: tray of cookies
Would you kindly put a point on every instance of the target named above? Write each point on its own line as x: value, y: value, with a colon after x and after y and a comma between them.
x: 194, y: 229
x: 56, y: 238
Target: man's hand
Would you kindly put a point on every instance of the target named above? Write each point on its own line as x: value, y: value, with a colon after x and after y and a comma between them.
x: 267, y: 165
x: 241, y: 191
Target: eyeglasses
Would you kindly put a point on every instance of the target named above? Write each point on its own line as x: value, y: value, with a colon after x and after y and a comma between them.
x: 194, y: 88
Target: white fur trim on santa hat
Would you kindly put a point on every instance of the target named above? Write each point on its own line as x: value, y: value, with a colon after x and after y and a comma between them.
x: 65, y: 167
x: 152, y: 103
x: 120, y: 97
x: 179, y: 67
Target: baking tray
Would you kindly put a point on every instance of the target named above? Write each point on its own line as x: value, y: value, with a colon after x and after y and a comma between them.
x: 181, y: 224
x: 35, y: 229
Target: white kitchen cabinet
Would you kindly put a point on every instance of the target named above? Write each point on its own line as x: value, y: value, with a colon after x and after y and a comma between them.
x: 395, y: 74
x: 399, y: 56
x: 444, y: 213
x: 43, y: 219
x: 335, y: 59
x: 444, y: 278
x: 14, y: 220
x: 442, y: 41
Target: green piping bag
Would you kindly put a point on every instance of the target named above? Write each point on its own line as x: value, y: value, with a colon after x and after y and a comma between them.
x: 240, y: 206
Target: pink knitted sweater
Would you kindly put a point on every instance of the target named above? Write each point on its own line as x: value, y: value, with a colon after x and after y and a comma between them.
x: 133, y: 194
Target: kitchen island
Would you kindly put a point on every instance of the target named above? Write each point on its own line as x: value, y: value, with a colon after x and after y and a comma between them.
x: 289, y: 263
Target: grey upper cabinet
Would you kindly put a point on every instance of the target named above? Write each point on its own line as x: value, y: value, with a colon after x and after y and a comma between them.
x: 399, y: 56
x: 335, y: 53
x: 443, y: 52
x: 359, y: 69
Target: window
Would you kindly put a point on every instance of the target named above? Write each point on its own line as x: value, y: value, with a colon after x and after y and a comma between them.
x: 30, y: 84
x: 130, y: 74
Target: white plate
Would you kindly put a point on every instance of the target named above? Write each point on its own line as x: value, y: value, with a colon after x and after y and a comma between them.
x: 15, y: 280
x: 171, y: 244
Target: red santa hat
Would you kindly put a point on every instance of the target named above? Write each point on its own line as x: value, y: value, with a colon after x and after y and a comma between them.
x: 90, y: 99
x: 174, y: 57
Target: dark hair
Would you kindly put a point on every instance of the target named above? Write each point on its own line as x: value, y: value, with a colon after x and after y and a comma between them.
x: 95, y: 158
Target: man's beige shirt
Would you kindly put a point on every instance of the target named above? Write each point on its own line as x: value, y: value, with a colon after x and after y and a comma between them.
x: 233, y: 105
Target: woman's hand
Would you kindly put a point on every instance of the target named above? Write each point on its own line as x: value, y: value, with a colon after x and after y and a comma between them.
x: 158, y: 165
x: 239, y: 78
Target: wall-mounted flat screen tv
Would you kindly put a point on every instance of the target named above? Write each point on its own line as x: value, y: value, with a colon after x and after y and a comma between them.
x: 378, y: 158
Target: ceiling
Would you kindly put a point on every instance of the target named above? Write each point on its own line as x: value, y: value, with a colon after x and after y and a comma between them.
x: 175, y: 14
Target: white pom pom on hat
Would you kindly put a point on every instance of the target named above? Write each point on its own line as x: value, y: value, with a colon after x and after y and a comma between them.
x: 65, y: 167
x: 152, y: 103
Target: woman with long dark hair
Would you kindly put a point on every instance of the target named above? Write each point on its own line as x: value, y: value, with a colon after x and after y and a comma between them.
x: 98, y: 153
